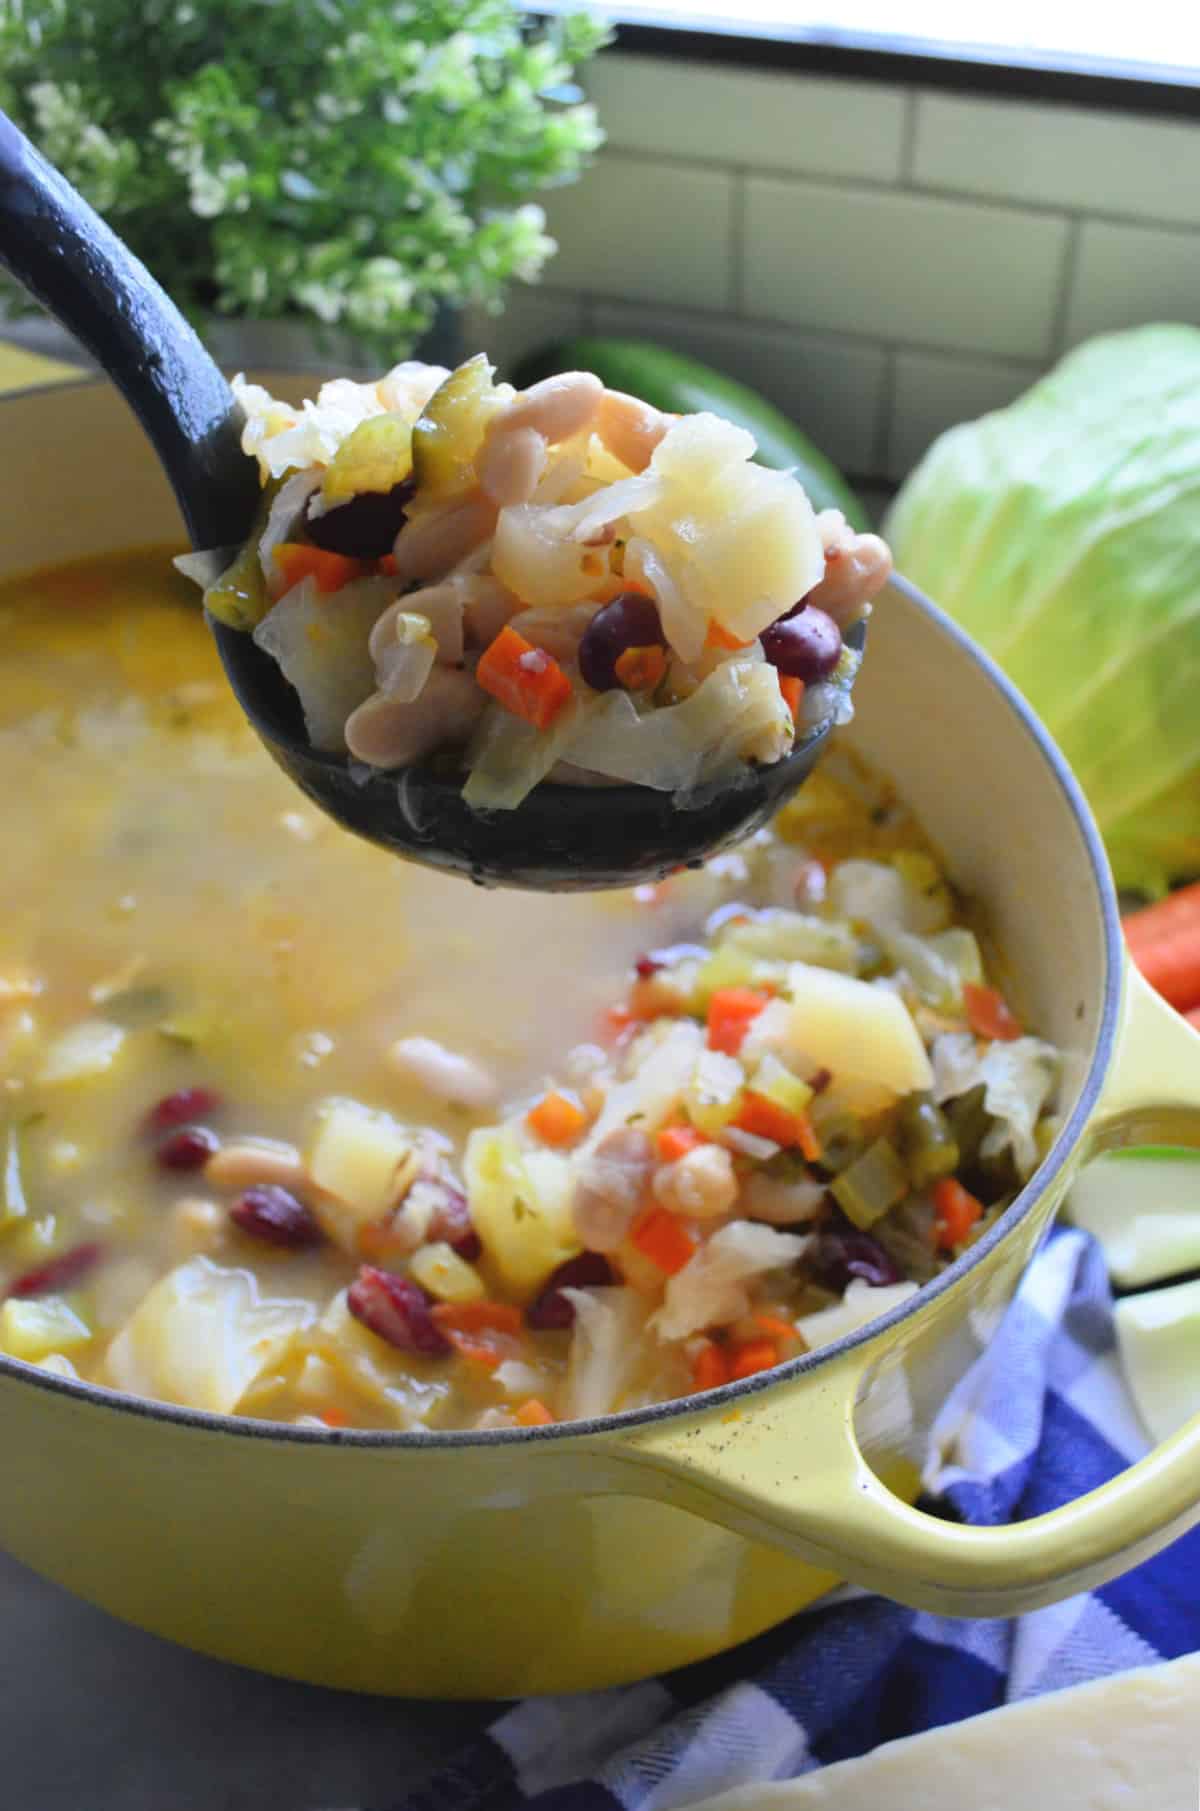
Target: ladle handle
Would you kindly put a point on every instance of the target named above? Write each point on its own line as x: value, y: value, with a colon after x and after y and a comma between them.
x: 87, y: 278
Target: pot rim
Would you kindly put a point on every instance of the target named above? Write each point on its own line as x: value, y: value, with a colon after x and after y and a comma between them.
x: 242, y: 1427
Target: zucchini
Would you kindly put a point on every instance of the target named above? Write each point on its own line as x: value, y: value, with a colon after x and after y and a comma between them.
x: 682, y: 386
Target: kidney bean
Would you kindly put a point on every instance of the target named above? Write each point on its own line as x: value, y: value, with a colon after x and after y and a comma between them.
x: 451, y: 1224
x: 629, y: 621
x: 184, y: 1105
x: 552, y: 1309
x: 274, y: 1216
x: 841, y: 1252
x: 394, y: 1308
x: 188, y: 1149
x: 365, y: 527
x: 805, y: 644
x: 59, y: 1273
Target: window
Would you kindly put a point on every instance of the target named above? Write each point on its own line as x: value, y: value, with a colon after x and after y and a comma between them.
x: 1159, y: 39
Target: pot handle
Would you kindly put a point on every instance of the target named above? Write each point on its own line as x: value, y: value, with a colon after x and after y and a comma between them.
x: 746, y: 1468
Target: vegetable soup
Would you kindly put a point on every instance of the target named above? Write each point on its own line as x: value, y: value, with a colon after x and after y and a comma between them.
x: 292, y: 1129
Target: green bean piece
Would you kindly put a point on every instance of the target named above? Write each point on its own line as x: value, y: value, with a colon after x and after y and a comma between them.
x: 929, y: 1146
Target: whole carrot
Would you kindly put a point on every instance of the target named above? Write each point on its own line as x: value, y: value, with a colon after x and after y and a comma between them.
x: 1165, y: 918
x: 1172, y: 966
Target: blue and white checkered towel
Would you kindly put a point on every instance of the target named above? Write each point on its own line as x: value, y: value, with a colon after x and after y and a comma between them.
x: 1041, y: 1418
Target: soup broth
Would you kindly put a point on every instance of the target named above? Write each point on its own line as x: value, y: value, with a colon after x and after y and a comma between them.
x: 176, y: 917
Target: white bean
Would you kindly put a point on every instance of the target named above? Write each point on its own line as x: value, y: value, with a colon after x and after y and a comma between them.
x: 700, y: 1184
x: 511, y: 464
x: 250, y: 1162
x: 781, y: 1203
x: 611, y: 1187
x: 445, y: 1073
x: 558, y: 407
x: 430, y: 546
x: 630, y: 429
x: 442, y: 604
x: 857, y: 567
x: 384, y: 732
x: 488, y: 607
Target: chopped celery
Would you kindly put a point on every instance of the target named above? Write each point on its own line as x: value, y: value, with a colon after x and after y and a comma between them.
x: 771, y: 1081
x: 34, y: 1329
x: 784, y: 936
x: 730, y: 967
x: 875, y: 1182
x: 714, y: 1093
x: 969, y: 1122
x: 927, y: 1141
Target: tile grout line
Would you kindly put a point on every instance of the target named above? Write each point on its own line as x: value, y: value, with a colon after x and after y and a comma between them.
x: 1066, y: 287
x: 925, y: 191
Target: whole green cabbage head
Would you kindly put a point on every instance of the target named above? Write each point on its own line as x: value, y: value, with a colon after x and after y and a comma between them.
x: 1063, y: 533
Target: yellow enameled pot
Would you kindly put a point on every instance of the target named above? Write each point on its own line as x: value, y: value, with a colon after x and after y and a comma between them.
x: 557, y: 1559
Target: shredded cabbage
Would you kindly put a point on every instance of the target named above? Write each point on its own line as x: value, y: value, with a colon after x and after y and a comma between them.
x: 201, y: 1337
x: 711, y: 1290
x: 1061, y: 532
x: 321, y: 644
x: 1018, y: 1079
x: 859, y: 1306
x: 606, y: 1350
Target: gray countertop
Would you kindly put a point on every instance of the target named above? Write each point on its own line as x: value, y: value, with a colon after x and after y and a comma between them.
x: 96, y: 1716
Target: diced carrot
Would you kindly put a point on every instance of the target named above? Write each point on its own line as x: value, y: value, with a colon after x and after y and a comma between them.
x: 387, y: 564
x: 616, y: 1022
x: 641, y: 669
x: 1193, y: 1018
x: 556, y: 1120
x: 376, y: 1240
x: 988, y: 1013
x: 731, y: 1012
x: 765, y: 1118
x: 663, y: 1238
x: 755, y: 1355
x: 533, y: 1414
x: 478, y: 1317
x: 957, y: 1211
x: 710, y: 1367
x: 1172, y: 966
x: 334, y: 1417
x: 719, y: 637
x: 793, y: 694
x: 525, y: 680
x: 810, y: 1144
x: 1166, y: 918
x: 331, y: 570
x: 775, y: 1327
x: 676, y: 1141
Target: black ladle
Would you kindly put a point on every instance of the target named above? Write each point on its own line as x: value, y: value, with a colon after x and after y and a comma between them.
x: 562, y: 838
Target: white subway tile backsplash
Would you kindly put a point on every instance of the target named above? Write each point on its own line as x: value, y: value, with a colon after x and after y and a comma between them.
x: 1128, y: 275
x: 932, y: 393
x: 532, y: 318
x: 831, y: 389
x: 1073, y: 157
x: 648, y: 231
x: 903, y: 267
x: 739, y: 116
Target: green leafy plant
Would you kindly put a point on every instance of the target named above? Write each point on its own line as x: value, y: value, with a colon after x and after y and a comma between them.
x: 353, y: 162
